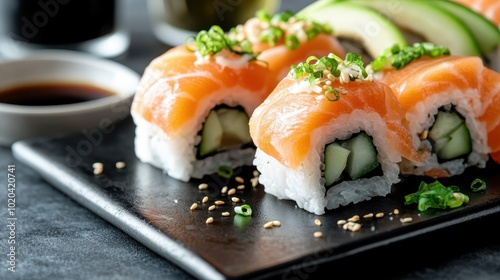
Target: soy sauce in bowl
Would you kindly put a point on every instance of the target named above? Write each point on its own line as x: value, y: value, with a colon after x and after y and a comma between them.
x: 49, y: 94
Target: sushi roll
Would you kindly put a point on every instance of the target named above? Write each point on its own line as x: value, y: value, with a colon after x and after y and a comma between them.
x: 328, y: 135
x: 193, y: 102
x: 443, y: 97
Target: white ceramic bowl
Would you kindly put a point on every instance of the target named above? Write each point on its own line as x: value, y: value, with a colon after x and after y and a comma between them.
x: 51, y: 66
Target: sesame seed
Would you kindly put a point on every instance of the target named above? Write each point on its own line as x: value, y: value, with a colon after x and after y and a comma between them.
x: 368, y: 216
x: 120, y: 165
x: 239, y: 180
x: 224, y: 189
x: 235, y: 199
x: 318, y: 234
x: 396, y: 211
x: 341, y: 222
x: 254, y: 181
x: 97, y: 165
x: 354, y: 218
x: 355, y: 227
x: 317, y: 222
x: 219, y: 202
x: 424, y: 134
x: 231, y: 191
x: 345, y: 226
x: 205, y: 199
x: 406, y: 220
x: 194, y: 206
x: 203, y: 186
x: 255, y: 173
x: 379, y: 215
x: 268, y: 225
x: 276, y: 223
x: 98, y: 170
x: 225, y: 214
x: 241, y: 187
x: 212, y: 207
x: 209, y: 220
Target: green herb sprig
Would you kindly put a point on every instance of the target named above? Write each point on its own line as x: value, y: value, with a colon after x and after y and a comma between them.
x: 214, y: 40
x: 436, y: 195
x: 400, y: 57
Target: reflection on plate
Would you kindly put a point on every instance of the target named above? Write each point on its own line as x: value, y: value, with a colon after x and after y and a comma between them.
x: 155, y: 209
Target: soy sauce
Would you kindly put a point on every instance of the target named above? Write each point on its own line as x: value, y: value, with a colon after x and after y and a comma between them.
x: 52, y: 94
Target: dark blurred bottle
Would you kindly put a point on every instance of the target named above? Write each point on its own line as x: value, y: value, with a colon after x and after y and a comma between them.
x: 83, y: 25
x: 175, y: 20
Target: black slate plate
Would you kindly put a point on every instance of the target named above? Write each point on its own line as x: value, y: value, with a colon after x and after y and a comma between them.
x: 155, y: 209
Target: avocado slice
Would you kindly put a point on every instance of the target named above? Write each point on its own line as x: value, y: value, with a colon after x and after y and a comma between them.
x: 423, y: 17
x: 358, y: 23
x: 485, y: 31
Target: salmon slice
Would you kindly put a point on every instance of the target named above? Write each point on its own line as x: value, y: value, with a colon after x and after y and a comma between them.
x: 488, y: 8
x: 491, y: 116
x: 284, y: 125
x: 175, y: 92
x: 428, y: 84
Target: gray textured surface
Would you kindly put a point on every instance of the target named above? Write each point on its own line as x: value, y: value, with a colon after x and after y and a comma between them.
x: 59, y: 239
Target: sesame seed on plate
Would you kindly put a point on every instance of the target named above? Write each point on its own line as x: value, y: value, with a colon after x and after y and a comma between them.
x: 231, y: 191
x: 318, y: 234
x: 239, y: 180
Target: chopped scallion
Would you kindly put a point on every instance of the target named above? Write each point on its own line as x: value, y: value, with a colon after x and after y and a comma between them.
x: 244, y: 210
x: 225, y: 171
x: 399, y: 57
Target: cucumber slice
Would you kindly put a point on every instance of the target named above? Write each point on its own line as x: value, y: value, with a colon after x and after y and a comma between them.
x: 457, y: 144
x: 486, y: 33
x: 446, y: 122
x: 211, y: 135
x: 363, y: 156
x: 235, y: 127
x: 335, y: 162
x: 357, y: 23
x: 423, y: 17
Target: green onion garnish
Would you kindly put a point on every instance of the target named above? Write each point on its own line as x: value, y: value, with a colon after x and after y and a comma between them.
x: 212, y: 41
x: 400, y: 57
x: 474, y: 185
x: 330, y: 68
x: 244, y: 210
x: 436, y: 195
x: 225, y: 171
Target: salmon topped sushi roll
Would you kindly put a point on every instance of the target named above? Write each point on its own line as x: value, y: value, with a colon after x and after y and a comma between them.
x: 193, y: 103
x: 443, y: 97
x: 285, y: 39
x: 328, y: 135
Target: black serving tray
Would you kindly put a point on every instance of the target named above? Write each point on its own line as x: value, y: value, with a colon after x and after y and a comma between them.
x: 155, y: 209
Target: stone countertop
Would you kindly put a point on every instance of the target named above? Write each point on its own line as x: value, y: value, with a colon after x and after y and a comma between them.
x: 57, y: 238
